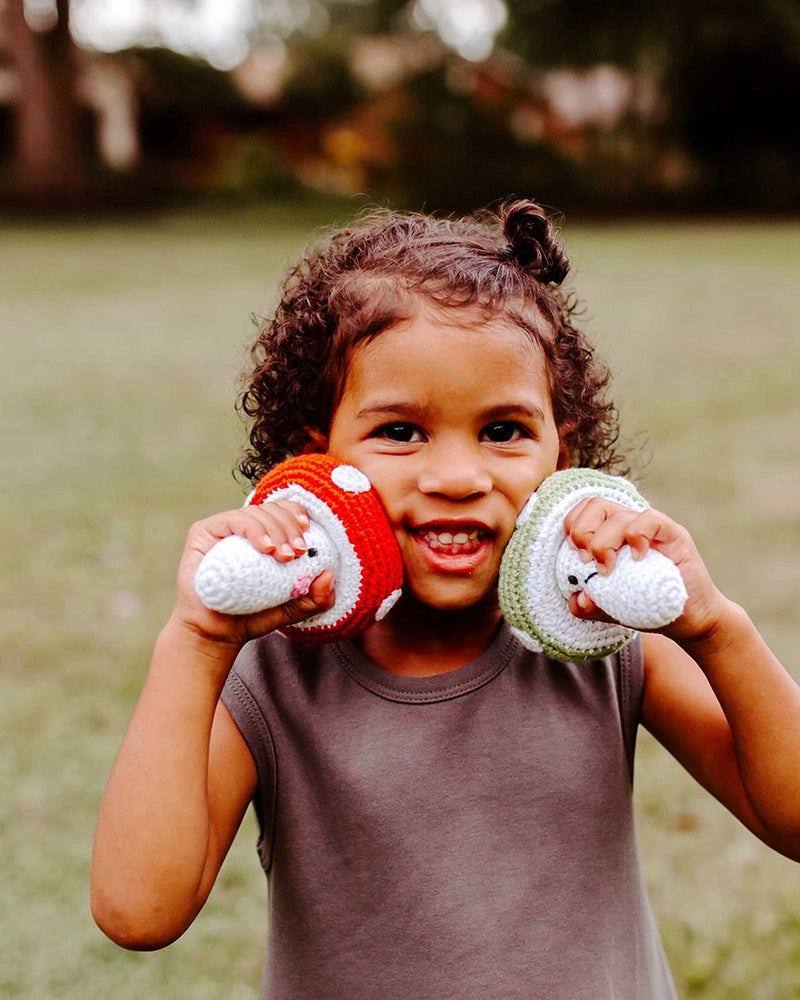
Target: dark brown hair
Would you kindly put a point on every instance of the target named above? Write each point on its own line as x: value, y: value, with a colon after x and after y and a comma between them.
x: 364, y: 279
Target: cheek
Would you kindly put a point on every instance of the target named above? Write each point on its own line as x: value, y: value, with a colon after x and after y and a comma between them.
x: 392, y: 485
x: 389, y: 493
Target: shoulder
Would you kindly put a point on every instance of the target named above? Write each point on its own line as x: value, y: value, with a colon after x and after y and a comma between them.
x: 266, y: 665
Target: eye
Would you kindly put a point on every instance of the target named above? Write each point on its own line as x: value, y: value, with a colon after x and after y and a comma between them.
x: 503, y: 431
x: 402, y: 432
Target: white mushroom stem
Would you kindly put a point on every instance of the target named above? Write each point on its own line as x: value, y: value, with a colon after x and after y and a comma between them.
x: 235, y: 578
x: 645, y: 593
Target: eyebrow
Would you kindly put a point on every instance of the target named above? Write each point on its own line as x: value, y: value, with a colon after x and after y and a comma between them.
x: 373, y: 410
x: 515, y: 410
x: 503, y: 411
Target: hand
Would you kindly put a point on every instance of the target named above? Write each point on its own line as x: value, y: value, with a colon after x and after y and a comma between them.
x: 597, y: 528
x: 275, y: 529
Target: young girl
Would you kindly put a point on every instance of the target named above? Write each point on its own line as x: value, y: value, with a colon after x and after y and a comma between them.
x: 442, y: 812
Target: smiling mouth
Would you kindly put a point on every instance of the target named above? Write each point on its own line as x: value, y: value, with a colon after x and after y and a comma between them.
x: 455, y: 542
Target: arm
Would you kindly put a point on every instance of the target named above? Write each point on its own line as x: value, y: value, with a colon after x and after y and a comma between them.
x: 184, y: 775
x: 730, y: 714
x: 714, y: 695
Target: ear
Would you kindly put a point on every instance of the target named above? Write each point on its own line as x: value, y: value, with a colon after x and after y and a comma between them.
x: 564, y: 456
x: 317, y: 441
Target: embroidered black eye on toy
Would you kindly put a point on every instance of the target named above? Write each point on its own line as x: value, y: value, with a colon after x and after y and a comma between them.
x: 540, y: 571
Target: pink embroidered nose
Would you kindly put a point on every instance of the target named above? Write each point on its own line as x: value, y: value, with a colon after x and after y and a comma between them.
x: 302, y: 585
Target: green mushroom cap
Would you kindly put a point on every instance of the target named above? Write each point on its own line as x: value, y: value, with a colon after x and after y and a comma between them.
x: 532, y: 598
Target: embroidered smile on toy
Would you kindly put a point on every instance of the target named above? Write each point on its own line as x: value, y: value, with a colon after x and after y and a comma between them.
x: 348, y: 533
x: 539, y: 571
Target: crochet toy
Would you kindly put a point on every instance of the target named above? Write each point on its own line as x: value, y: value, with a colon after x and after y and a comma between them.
x: 348, y: 533
x: 539, y: 571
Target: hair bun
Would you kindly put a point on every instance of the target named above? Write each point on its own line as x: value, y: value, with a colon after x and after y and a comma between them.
x: 531, y: 241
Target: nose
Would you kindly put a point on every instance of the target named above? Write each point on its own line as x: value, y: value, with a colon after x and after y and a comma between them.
x: 455, y: 471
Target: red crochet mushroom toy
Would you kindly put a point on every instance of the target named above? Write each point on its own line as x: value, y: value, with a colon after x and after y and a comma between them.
x: 348, y: 533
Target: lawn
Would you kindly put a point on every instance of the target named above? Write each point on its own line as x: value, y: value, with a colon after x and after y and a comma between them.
x: 121, y: 346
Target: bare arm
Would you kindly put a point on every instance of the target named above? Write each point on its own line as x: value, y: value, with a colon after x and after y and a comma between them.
x: 184, y: 775
x: 715, y: 695
x: 730, y: 714
x: 165, y: 825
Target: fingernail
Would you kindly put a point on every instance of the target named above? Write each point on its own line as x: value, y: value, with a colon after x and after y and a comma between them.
x: 299, y: 544
x: 584, y: 603
x: 286, y: 550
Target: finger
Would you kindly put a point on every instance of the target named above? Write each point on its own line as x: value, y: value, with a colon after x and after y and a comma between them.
x: 618, y: 529
x: 284, y: 524
x: 585, y: 516
x: 320, y: 597
x: 600, y: 528
x: 592, y: 529
x: 640, y: 530
x: 582, y: 606
x: 274, y: 528
x: 286, y: 511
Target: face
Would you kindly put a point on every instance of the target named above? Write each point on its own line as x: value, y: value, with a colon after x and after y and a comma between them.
x: 450, y: 418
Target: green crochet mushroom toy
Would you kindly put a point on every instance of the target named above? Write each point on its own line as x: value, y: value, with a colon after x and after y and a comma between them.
x: 540, y: 571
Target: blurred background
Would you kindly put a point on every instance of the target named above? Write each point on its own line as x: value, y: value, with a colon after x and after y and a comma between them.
x: 614, y: 106
x: 162, y: 163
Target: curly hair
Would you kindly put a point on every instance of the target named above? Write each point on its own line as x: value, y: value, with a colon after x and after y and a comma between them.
x: 367, y: 278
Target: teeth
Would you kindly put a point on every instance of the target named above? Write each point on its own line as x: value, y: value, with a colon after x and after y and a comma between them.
x: 445, y: 538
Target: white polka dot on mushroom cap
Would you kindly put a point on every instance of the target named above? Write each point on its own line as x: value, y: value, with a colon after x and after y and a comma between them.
x: 526, y: 511
x: 387, y: 604
x: 350, y: 479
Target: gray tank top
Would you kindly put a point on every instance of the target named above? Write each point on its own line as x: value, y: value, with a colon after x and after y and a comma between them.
x: 462, y: 836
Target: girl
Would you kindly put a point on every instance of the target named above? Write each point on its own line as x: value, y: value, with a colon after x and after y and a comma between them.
x: 442, y: 813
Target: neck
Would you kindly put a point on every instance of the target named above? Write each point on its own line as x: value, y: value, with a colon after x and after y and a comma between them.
x: 417, y: 641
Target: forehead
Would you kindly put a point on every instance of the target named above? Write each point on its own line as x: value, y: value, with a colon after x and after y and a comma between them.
x: 435, y: 329
x: 439, y: 351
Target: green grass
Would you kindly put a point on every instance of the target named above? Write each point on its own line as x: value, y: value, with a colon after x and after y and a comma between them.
x: 121, y: 346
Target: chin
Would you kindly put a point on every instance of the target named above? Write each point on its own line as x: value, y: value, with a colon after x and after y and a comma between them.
x: 451, y: 600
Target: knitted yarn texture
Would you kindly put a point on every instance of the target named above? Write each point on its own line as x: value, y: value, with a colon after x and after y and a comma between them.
x: 539, y: 571
x: 348, y: 533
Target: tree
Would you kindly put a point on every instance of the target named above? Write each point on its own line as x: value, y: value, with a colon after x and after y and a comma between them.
x: 48, y: 156
x: 735, y: 87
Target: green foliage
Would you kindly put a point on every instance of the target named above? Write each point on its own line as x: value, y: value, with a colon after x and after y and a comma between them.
x: 251, y: 166
x: 321, y: 84
x: 729, y: 71
x: 578, y: 32
x: 733, y: 89
x: 456, y: 152
x: 121, y: 346
x: 186, y: 85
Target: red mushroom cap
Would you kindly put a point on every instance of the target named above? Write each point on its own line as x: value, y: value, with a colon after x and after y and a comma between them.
x: 354, y: 504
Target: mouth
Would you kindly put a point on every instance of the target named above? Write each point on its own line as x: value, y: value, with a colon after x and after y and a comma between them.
x: 452, y: 546
x: 455, y: 542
